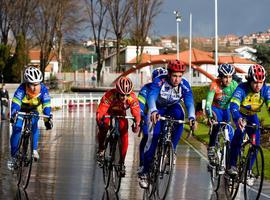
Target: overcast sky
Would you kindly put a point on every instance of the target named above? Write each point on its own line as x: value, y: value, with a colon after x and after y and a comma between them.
x: 238, y: 17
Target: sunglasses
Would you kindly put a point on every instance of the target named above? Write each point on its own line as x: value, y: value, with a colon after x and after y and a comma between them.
x: 123, y: 95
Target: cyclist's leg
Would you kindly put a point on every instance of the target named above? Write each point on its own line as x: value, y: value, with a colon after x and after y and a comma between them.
x: 218, y: 113
x: 15, y: 136
x: 144, y: 140
x: 176, y: 111
x: 236, y: 145
x: 123, y: 128
x: 35, y: 131
x: 151, y: 144
x: 101, y: 135
x: 254, y: 119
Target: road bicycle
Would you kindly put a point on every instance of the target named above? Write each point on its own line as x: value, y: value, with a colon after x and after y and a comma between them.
x: 24, y: 158
x: 250, y: 165
x: 222, y: 153
x: 112, y: 159
x: 160, y: 174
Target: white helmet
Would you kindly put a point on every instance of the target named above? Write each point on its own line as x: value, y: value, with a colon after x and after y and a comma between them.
x: 32, y: 75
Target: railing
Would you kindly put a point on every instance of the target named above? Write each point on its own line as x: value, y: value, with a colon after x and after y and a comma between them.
x: 77, y: 99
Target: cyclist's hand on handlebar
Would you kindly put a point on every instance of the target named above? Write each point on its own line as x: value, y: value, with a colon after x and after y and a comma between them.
x: 241, y: 123
x: 154, y: 117
x: 13, y: 117
x: 193, y: 124
x: 135, y: 127
x: 211, y: 120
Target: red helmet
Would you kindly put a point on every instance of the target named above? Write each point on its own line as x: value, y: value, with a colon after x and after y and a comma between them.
x: 256, y: 73
x: 124, y: 85
x: 176, y: 66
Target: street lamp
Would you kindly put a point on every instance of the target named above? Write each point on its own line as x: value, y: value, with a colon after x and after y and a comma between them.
x: 178, y: 19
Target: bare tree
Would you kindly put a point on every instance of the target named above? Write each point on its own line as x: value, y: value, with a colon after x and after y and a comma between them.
x: 68, y: 21
x: 96, y: 10
x: 145, y: 12
x: 44, y: 29
x: 120, y: 15
x: 5, y: 20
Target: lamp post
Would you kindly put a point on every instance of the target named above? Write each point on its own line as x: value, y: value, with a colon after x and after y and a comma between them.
x: 178, y: 19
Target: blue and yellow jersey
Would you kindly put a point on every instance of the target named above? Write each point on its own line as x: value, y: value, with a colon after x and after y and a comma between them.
x: 247, y: 102
x: 142, y: 97
x: 22, y: 102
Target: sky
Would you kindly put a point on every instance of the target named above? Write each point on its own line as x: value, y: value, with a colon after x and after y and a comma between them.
x: 239, y: 17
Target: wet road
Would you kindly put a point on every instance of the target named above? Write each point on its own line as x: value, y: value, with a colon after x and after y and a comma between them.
x: 67, y: 168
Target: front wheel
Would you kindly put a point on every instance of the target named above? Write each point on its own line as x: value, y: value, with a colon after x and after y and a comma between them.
x: 254, y: 173
x: 107, y: 162
x: 25, y: 160
x: 165, y: 170
x: 117, y: 167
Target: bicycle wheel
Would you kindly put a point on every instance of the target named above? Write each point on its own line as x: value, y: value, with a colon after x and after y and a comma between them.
x: 165, y: 171
x: 232, y: 183
x: 107, y: 162
x: 254, y: 173
x: 117, y: 166
x: 26, y: 159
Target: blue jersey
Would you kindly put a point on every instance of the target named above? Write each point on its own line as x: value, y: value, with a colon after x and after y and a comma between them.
x: 245, y: 101
x: 162, y: 94
x: 142, y: 96
x: 40, y: 103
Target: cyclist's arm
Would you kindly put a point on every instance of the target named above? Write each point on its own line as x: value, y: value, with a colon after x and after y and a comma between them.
x: 135, y: 108
x: 103, y: 106
x: 188, y: 99
x: 17, y: 99
x: 209, y: 101
x: 155, y: 87
x: 142, y: 96
x: 45, y: 100
x: 235, y: 103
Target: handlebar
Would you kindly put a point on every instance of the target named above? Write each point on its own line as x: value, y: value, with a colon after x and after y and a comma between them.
x: 33, y: 114
x: 119, y: 117
x: 162, y: 118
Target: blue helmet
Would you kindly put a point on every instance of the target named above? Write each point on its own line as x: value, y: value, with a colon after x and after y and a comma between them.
x: 225, y: 70
x: 159, y: 72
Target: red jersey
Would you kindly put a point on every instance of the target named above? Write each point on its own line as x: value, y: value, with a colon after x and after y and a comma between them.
x: 111, y: 104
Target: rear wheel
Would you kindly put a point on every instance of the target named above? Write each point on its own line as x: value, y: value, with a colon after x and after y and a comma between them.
x: 25, y: 161
x: 254, y: 173
x: 165, y: 171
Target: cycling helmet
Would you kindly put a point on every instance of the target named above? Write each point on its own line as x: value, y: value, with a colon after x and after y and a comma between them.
x: 159, y: 72
x: 124, y: 85
x: 256, y: 73
x: 225, y: 70
x: 176, y: 66
x: 32, y: 75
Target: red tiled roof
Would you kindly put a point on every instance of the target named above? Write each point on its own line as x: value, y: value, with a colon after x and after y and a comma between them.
x: 198, y: 57
x: 35, y: 55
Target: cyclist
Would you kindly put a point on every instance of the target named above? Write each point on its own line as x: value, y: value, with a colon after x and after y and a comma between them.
x: 116, y: 102
x: 246, y: 102
x: 158, y: 72
x: 164, y: 99
x: 217, y: 103
x: 30, y: 96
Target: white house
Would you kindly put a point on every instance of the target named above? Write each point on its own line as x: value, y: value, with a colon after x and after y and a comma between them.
x: 246, y: 52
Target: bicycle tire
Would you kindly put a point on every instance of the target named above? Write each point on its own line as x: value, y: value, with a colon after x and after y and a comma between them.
x: 254, y: 173
x: 165, y: 170
x: 25, y: 164
x: 153, y: 173
x: 232, y: 183
x: 117, y: 165
x: 107, y: 162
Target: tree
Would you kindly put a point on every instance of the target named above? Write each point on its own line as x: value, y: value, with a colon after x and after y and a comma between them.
x: 68, y: 20
x: 120, y: 15
x: 96, y: 10
x: 5, y: 20
x: 263, y: 57
x: 144, y: 12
